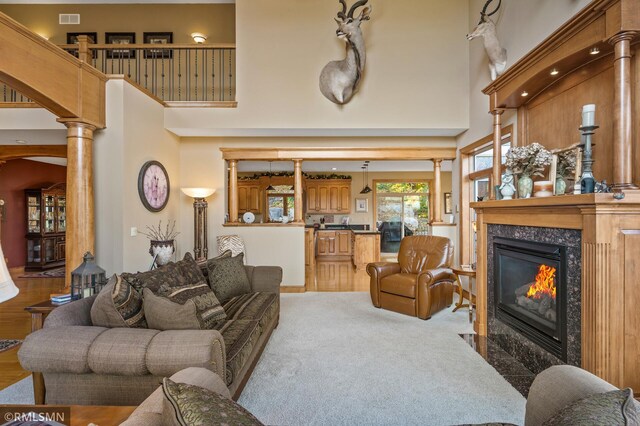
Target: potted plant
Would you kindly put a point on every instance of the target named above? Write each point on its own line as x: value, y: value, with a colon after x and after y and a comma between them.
x: 527, y: 161
x: 566, y: 166
x: 162, y: 242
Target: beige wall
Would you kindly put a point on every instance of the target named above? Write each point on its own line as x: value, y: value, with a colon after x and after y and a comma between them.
x: 416, y: 75
x: 215, y: 20
x: 134, y: 135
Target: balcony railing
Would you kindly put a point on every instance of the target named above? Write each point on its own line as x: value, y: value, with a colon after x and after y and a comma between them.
x: 171, y: 72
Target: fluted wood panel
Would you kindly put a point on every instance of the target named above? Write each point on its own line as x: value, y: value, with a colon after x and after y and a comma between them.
x: 632, y: 316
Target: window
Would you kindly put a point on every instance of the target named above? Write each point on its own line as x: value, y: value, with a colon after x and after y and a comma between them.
x: 280, y: 202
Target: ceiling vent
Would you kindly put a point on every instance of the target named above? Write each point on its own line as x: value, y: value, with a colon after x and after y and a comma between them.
x: 69, y: 18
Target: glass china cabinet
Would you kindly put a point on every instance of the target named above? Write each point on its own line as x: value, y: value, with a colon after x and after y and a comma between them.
x: 46, y: 227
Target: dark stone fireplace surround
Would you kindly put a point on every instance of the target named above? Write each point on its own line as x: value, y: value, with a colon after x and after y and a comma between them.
x: 520, y: 347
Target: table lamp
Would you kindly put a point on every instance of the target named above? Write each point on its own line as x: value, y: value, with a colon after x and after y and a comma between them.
x: 200, y: 249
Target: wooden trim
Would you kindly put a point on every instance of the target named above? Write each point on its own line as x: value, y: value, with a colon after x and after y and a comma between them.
x: 19, y: 105
x: 265, y: 224
x: 337, y: 153
x: 486, y: 141
x: 292, y: 289
x: 480, y: 173
x: 13, y: 152
x: 201, y: 104
x: 154, y: 46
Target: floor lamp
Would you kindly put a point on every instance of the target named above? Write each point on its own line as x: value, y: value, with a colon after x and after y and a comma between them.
x: 8, y: 288
x: 200, y: 249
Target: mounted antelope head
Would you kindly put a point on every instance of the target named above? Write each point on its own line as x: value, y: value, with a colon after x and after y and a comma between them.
x: 339, y: 79
x: 487, y: 30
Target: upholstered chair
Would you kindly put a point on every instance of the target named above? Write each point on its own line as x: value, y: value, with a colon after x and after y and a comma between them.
x: 421, y: 283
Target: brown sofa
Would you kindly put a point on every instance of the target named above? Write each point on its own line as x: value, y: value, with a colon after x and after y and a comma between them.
x: 421, y: 283
x: 84, y: 364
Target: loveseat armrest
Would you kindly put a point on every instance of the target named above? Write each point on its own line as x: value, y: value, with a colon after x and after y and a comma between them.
x: 432, y: 276
x: 557, y: 387
x: 265, y: 279
x: 173, y: 350
x: 74, y: 313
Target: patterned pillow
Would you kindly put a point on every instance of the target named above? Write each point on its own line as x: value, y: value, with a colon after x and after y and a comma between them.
x: 202, y: 264
x: 188, y: 307
x: 188, y: 405
x: 610, y: 408
x: 228, y: 277
x: 180, y: 273
x: 230, y: 242
x: 118, y: 305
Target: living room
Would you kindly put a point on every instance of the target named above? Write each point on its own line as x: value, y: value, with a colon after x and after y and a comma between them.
x: 427, y: 96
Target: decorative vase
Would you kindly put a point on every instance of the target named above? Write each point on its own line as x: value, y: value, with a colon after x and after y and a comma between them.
x: 525, y: 186
x: 507, y: 191
x: 162, y: 251
x: 561, y: 185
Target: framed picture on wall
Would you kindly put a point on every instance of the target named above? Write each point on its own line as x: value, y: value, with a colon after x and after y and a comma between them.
x: 72, y: 38
x: 362, y: 205
x: 448, y: 208
x: 120, y: 38
x: 158, y: 38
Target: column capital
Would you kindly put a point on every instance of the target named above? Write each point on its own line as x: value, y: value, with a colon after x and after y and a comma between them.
x: 74, y: 123
x: 497, y: 111
x: 623, y: 36
x: 437, y: 161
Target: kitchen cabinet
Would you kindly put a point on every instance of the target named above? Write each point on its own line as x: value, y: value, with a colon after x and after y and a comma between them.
x: 46, y: 227
x: 250, y: 198
x: 366, y: 249
x: 330, y: 196
x: 333, y: 243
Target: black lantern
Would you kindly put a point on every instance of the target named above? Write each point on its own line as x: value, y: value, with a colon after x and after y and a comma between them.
x: 87, y: 279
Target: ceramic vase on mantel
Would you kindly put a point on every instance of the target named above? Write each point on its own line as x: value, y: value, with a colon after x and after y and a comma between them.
x: 561, y: 185
x: 525, y: 186
x: 163, y: 249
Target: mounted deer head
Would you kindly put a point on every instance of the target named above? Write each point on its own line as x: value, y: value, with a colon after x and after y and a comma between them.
x: 339, y: 79
x: 486, y: 29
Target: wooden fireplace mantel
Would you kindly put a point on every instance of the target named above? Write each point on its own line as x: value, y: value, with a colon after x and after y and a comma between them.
x: 610, y: 324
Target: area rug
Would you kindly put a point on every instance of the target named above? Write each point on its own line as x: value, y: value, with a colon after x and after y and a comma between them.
x: 51, y: 273
x: 335, y: 359
x: 18, y: 393
x: 6, y: 344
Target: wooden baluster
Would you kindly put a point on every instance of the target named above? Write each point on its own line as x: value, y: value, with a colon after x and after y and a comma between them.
x: 80, y: 233
x: 83, y: 48
x: 622, y: 109
x: 233, y: 191
x: 297, y: 191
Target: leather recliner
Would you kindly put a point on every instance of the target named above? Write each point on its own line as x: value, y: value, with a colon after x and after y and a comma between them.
x: 421, y: 283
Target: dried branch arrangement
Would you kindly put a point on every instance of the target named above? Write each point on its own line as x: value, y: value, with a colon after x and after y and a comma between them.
x: 158, y: 234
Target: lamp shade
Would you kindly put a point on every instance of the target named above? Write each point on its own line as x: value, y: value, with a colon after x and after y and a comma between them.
x: 8, y: 288
x: 198, y: 192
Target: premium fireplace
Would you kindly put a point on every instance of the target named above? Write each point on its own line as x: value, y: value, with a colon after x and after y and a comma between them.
x: 530, y: 291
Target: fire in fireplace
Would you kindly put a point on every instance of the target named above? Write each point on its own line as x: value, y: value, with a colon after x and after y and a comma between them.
x: 530, y: 288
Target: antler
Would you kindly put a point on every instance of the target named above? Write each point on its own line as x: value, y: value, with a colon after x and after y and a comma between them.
x: 355, y: 6
x: 484, y: 13
x: 342, y: 15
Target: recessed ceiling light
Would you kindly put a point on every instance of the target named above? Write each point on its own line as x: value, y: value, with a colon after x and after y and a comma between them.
x: 555, y: 72
x: 524, y: 94
x: 594, y: 51
x: 21, y: 142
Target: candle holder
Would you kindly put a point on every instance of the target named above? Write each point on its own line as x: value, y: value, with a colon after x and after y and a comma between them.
x: 587, y: 181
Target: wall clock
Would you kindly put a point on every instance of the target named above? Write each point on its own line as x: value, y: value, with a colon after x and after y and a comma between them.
x: 153, y: 186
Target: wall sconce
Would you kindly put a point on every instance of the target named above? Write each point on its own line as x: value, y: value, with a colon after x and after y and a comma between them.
x: 199, y: 38
x: 200, y: 250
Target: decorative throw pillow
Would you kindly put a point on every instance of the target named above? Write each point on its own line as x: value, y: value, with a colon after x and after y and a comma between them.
x: 610, y: 408
x: 228, y: 277
x: 202, y: 264
x: 189, y: 307
x: 118, y: 305
x: 230, y: 242
x: 188, y: 405
x: 180, y: 273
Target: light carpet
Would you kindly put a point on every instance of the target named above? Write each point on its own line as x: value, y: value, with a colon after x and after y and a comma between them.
x: 335, y: 359
x: 18, y: 393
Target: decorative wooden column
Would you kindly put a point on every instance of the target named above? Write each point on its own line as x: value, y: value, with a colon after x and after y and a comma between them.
x: 80, y: 234
x: 437, y: 183
x: 497, y: 152
x: 233, y: 191
x: 297, y: 191
x: 622, y: 109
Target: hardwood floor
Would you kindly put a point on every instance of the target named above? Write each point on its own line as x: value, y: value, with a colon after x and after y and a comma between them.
x: 338, y: 276
x: 15, y: 322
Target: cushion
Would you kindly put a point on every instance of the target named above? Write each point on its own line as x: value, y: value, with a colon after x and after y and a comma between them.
x: 608, y: 408
x: 121, y: 351
x: 173, y: 274
x: 188, y: 405
x: 240, y: 338
x: 228, y: 277
x: 253, y: 306
x: 230, y: 242
x: 400, y: 284
x: 118, y: 305
x: 202, y: 264
x: 189, y: 307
